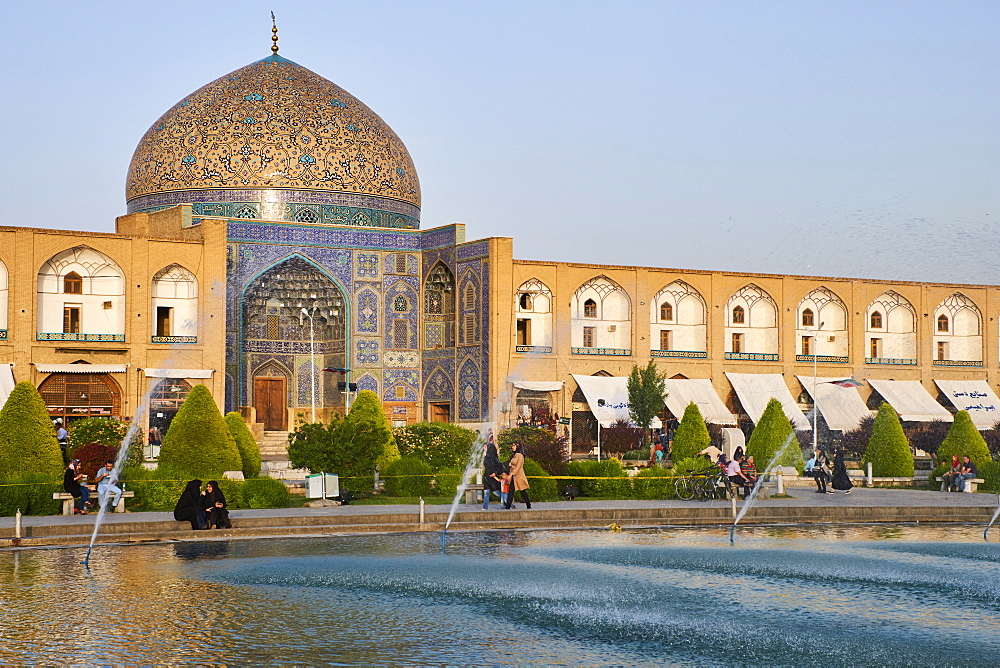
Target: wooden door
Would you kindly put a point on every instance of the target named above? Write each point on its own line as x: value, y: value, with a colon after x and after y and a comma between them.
x: 441, y: 412
x: 269, y: 400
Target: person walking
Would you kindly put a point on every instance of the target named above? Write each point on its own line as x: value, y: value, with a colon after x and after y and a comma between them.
x: 493, y: 471
x: 841, y: 481
x: 516, y: 466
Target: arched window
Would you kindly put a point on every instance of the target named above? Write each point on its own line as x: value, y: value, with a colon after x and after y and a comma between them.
x: 590, y: 309
x: 876, y: 320
x: 739, y: 315
x: 942, y: 323
x: 73, y: 284
x: 666, y: 311
x: 439, y: 308
x: 808, y: 320
x: 525, y: 301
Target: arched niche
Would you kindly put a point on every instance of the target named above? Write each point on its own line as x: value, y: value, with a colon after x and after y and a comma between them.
x: 677, y: 317
x: 751, y: 324
x: 821, y: 326
x: 957, y: 336
x: 602, y: 316
x: 174, y: 305
x: 533, y: 326
x: 891, y: 330
x: 439, y: 307
x: 81, y: 297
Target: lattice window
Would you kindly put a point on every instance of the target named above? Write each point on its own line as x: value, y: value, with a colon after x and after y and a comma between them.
x: 666, y: 312
x: 739, y: 316
x: 665, y: 339
x: 590, y: 309
x: 439, y: 296
x: 737, y: 343
x: 808, y: 319
x: 246, y: 213
x: 876, y: 320
x: 273, y: 331
x: 400, y: 263
x: 73, y: 284
x: 942, y: 323
x: 306, y: 216
x: 400, y: 334
x: 588, y: 337
x: 400, y: 304
x: 400, y: 392
x: 469, y: 328
x: 469, y: 298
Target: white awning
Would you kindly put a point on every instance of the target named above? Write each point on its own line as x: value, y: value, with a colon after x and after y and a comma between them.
x: 697, y: 391
x: 974, y: 396
x: 607, y: 397
x: 756, y: 389
x: 911, y: 400
x: 538, y: 385
x: 841, y: 407
x: 178, y: 373
x: 6, y: 382
x: 81, y: 368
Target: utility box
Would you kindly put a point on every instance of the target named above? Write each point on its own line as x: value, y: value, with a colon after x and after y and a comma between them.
x: 322, y: 486
x: 732, y: 439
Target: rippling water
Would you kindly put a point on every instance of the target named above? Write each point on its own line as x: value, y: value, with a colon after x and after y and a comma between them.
x: 816, y: 596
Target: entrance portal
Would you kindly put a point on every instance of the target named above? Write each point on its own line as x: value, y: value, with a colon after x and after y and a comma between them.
x: 269, y: 398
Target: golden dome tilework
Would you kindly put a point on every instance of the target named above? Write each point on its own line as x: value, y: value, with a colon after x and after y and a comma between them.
x: 272, y: 125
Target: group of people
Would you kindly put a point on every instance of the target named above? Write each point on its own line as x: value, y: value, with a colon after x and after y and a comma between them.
x: 203, y: 509
x: 741, y: 470
x: 75, y: 483
x: 504, y: 479
x: 960, y: 471
x: 818, y: 467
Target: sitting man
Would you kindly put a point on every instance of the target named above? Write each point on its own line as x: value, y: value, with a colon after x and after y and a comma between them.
x: 967, y: 472
x: 569, y: 492
x: 106, y: 486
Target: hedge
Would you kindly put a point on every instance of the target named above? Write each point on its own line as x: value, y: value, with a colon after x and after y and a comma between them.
x: 438, y: 444
x: 28, y: 442
x: 888, y: 451
x: 245, y: 444
x: 771, y: 433
x: 691, y: 436
x: 198, y: 442
x: 407, y: 476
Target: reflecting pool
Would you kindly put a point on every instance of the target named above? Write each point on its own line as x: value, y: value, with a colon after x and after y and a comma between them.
x: 791, y: 596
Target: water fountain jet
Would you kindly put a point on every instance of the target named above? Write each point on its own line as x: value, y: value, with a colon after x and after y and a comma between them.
x: 752, y: 497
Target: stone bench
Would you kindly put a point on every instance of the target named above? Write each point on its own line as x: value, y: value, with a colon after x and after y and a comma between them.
x: 971, y: 485
x: 67, y: 500
x: 470, y: 492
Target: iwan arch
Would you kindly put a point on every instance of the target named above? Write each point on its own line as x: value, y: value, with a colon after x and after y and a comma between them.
x: 253, y: 280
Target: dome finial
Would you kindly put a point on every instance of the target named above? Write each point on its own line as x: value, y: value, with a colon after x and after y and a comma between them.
x: 274, y: 34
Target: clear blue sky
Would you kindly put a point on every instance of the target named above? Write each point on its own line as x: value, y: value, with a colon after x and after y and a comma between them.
x: 848, y: 138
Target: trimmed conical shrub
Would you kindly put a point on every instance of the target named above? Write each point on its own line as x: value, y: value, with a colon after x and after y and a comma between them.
x: 772, y: 432
x: 198, y: 442
x: 367, y: 420
x: 691, y: 436
x: 247, y: 446
x: 964, y: 439
x: 888, y: 450
x: 28, y: 442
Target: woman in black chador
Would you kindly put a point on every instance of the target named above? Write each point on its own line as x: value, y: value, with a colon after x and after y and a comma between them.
x: 841, y: 481
x: 215, y: 507
x: 191, y: 507
x: 493, y: 471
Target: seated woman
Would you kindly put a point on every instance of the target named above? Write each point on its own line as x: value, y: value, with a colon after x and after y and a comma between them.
x: 190, y: 507
x: 215, y: 507
x: 951, y: 477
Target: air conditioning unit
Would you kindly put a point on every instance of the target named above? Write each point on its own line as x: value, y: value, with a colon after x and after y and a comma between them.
x: 107, y: 305
x: 612, y: 328
x: 831, y: 339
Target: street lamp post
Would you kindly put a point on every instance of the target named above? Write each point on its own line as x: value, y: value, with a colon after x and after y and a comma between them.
x: 312, y: 362
x: 815, y: 352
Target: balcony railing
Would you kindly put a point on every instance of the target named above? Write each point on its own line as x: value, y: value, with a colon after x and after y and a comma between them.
x: 823, y: 359
x: 173, y: 339
x: 753, y: 357
x: 900, y: 361
x: 532, y: 349
x: 957, y: 363
x: 64, y: 336
x: 617, y: 352
x: 689, y: 354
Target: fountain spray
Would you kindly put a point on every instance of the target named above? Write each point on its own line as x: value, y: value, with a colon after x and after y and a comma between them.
x: 474, y: 462
x: 749, y: 501
x: 994, y: 519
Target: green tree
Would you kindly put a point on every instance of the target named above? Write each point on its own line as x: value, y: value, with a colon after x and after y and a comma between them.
x: 772, y: 433
x: 646, y: 391
x: 888, y: 450
x: 691, y: 436
x: 964, y: 439
x: 367, y: 420
x: 549, y: 451
x: 28, y: 442
x: 198, y: 443
x: 437, y: 443
x: 245, y: 443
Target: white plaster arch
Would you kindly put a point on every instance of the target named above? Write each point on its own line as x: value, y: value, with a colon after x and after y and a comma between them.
x: 4, y: 294
x: 609, y: 322
x: 890, y: 328
x: 677, y: 317
x: 821, y: 324
x: 99, y: 304
x: 174, y: 303
x: 758, y: 331
x: 533, y: 308
x: 960, y: 339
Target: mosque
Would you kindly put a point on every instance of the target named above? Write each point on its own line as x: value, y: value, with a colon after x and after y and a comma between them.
x: 272, y: 250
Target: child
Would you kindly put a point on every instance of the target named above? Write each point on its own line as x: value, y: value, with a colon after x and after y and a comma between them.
x: 506, y: 485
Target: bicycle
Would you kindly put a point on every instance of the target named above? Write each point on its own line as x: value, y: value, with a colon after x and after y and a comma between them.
x: 702, y: 485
